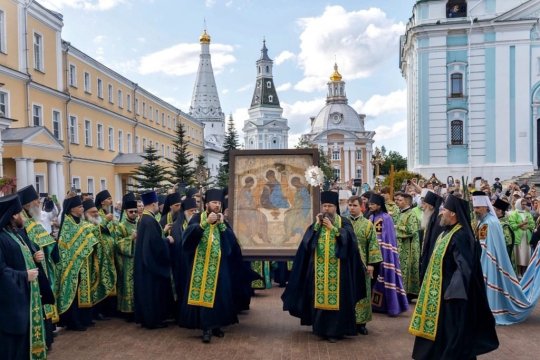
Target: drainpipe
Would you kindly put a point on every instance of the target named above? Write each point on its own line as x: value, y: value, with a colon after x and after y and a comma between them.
x: 68, y: 155
x: 136, y: 121
x: 469, y: 146
x: 26, y: 52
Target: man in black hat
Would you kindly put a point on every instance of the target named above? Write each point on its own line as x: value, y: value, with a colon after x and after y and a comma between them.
x: 327, y: 278
x: 126, y: 234
x: 104, y: 279
x: 431, y: 228
x: 22, y: 333
x: 171, y: 208
x: 76, y: 244
x: 501, y: 207
x: 153, y: 294
x: 452, y: 318
x: 45, y: 250
x: 209, y: 244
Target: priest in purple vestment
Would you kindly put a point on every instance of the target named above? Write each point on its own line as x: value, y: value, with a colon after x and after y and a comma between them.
x: 388, y: 295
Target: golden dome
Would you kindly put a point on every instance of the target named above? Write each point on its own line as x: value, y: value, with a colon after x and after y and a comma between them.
x: 205, y: 38
x: 336, y: 76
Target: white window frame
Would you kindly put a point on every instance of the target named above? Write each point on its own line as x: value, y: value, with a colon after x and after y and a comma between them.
x: 163, y: 119
x: 169, y: 122
x: 359, y: 171
x: 150, y: 113
x: 59, y: 123
x: 100, y: 136
x: 336, y: 155
x: 359, y: 155
x: 110, y: 90
x: 100, y: 88
x: 40, y: 117
x: 87, y: 82
x: 39, y: 61
x: 129, y: 145
x: 336, y: 171
x: 91, y: 189
x: 72, y: 75
x: 39, y: 182
x: 128, y: 102
x: 268, y: 84
x: 102, y: 184
x: 144, y: 109
x: 75, y: 138
x: 145, y: 144
x: 270, y: 98
x: 157, y: 116
x: 110, y: 138
x: 73, y: 178
x: 137, y: 145
x: 5, y: 104
x: 120, y: 141
x: 137, y: 111
x: 88, y: 132
x: 120, y: 98
x: 3, y: 37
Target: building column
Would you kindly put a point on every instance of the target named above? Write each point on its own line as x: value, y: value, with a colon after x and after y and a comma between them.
x: 118, y: 187
x: 346, y: 176
x: 61, y: 182
x: 52, y: 178
x: 30, y: 173
x: 21, y: 172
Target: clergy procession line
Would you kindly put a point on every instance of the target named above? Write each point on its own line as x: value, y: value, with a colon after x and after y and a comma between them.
x: 160, y: 258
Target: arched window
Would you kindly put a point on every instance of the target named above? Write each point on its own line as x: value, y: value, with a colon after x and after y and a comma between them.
x: 456, y: 132
x: 456, y: 9
x: 269, y: 84
x: 456, y: 85
x: 267, y: 69
x: 270, y: 98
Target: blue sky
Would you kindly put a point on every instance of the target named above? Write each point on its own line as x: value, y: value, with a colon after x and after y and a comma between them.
x: 156, y: 44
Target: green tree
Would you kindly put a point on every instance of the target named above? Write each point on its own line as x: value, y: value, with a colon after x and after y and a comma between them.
x: 324, y: 160
x: 393, y: 157
x: 200, y: 165
x: 230, y: 143
x: 182, y: 172
x: 400, y: 178
x: 150, y: 175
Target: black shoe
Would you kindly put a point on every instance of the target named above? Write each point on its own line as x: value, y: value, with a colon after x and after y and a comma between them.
x: 207, y: 335
x: 218, y: 333
x: 101, y: 317
x: 362, y: 329
x: 332, y: 340
x: 158, y: 326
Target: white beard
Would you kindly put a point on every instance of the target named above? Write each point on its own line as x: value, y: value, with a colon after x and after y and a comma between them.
x: 35, y: 213
x: 426, y: 216
x: 94, y: 220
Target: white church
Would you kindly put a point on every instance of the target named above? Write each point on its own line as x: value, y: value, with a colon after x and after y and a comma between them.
x: 473, y: 82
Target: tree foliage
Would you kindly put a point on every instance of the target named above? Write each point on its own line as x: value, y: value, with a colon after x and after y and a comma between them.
x: 393, y: 157
x: 200, y: 165
x: 230, y: 143
x: 182, y: 172
x: 150, y: 175
x: 400, y: 178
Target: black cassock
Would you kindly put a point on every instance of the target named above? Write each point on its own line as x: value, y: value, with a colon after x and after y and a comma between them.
x: 15, y: 299
x: 225, y: 308
x: 433, y: 230
x: 466, y: 326
x: 298, y: 297
x: 152, y: 274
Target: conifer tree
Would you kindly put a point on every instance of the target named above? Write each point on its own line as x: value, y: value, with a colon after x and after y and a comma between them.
x: 230, y: 143
x: 150, y: 175
x: 324, y: 161
x: 182, y: 172
x: 200, y: 165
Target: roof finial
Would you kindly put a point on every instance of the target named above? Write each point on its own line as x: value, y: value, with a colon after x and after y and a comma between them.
x: 205, y: 38
x: 336, y: 76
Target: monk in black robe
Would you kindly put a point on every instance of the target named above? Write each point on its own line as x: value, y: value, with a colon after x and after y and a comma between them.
x: 315, y: 299
x: 152, y: 274
x: 432, y: 228
x: 209, y: 300
x: 21, y: 313
x: 453, y: 294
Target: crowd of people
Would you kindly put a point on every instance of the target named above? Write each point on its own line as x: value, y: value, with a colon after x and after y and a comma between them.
x: 175, y: 256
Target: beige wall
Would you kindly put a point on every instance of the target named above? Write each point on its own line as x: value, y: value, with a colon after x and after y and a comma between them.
x: 11, y: 57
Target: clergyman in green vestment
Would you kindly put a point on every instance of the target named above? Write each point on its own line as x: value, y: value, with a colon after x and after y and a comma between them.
x: 126, y: 233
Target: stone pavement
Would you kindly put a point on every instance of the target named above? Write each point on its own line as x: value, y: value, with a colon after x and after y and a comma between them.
x: 267, y: 332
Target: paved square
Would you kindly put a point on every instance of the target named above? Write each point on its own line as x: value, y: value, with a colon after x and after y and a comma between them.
x: 267, y: 332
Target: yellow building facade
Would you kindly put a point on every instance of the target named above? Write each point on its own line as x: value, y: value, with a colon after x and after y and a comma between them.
x: 68, y: 121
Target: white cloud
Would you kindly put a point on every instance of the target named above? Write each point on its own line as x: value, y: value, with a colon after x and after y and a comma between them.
x: 244, y: 88
x: 298, y: 114
x: 377, y: 105
x: 99, y: 39
x: 209, y: 3
x: 225, y: 91
x: 239, y: 116
x: 384, y: 132
x: 183, y: 59
x: 284, y: 56
x: 357, y: 40
x: 284, y: 87
x: 93, y: 5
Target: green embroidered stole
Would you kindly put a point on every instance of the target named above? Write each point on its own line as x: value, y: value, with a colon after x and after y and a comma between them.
x: 37, y: 233
x: 262, y: 268
x: 37, y: 327
x: 205, y: 271
x: 76, y: 243
x: 426, y: 313
x: 327, y: 268
x: 103, y: 270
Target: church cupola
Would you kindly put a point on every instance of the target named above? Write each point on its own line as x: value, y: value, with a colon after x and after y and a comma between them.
x: 265, y: 93
x: 336, y: 88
